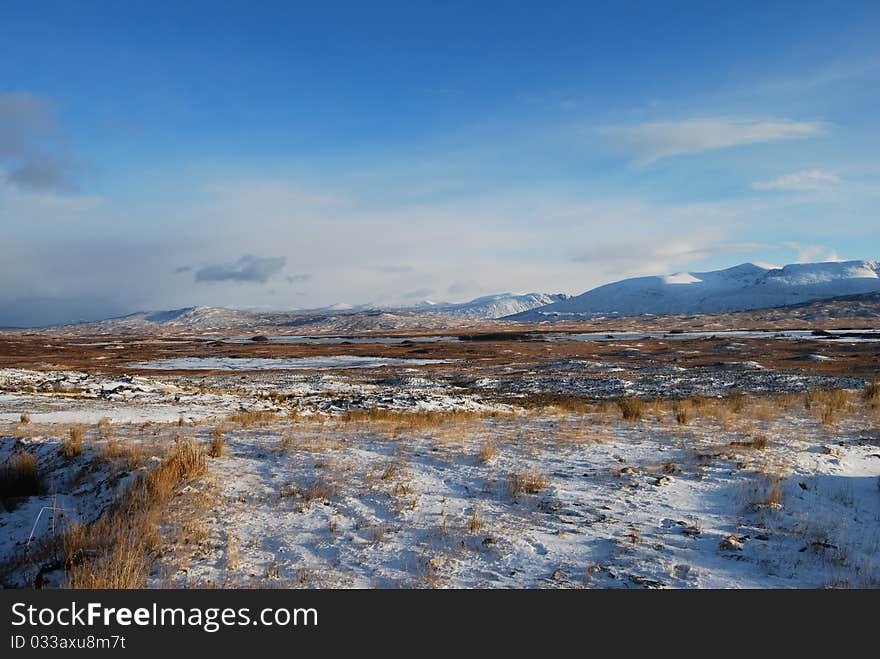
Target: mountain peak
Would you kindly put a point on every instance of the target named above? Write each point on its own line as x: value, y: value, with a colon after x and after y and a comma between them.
x: 739, y: 288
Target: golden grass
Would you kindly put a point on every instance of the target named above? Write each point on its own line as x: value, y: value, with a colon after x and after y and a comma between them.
x: 631, y: 409
x: 72, y: 446
x: 217, y: 443
x: 314, y: 443
x: 736, y: 401
x: 233, y: 551
x: 19, y: 477
x: 870, y: 393
x: 759, y: 443
x: 392, y: 421
x: 560, y: 403
x: 116, y: 550
x: 682, y: 415
x: 526, y: 482
x: 487, y: 452
x: 119, y: 451
x: 828, y: 404
x: 319, y: 490
x: 248, y: 418
x: 769, y: 491
x: 474, y: 523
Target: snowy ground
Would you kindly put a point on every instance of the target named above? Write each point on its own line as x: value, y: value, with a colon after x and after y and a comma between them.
x: 275, y: 364
x: 645, y: 504
x: 430, y: 500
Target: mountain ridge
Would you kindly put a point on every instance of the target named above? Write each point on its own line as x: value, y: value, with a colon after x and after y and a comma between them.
x: 743, y: 287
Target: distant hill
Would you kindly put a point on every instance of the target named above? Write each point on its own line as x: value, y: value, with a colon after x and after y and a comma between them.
x: 741, y: 288
x: 491, y: 306
x: 341, y: 317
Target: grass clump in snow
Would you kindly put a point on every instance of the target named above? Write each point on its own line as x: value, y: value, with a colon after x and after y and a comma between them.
x: 487, y: 452
x: 828, y: 403
x: 758, y: 442
x: 116, y: 551
x: 682, y: 415
x: 474, y: 522
x: 72, y: 446
x: 248, y: 418
x: 19, y: 477
x: 631, y: 409
x: 736, y: 401
x: 526, y: 482
x: 217, y: 443
x: 871, y: 392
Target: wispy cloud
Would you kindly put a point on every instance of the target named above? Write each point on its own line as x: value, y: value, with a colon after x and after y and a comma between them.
x: 813, y: 253
x: 851, y: 68
x: 659, y: 256
x: 419, y: 293
x: 648, y: 142
x: 813, y: 179
x: 253, y: 269
x: 394, y: 269
x: 460, y: 288
x: 34, y: 150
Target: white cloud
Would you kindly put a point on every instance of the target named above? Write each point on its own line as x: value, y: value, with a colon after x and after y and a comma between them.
x: 853, y: 67
x: 355, y: 248
x: 813, y: 179
x: 813, y: 253
x: 650, y: 142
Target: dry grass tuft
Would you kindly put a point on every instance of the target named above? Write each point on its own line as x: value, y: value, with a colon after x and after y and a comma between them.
x: 526, y: 482
x: 474, y: 523
x: 72, y: 446
x: 487, y: 452
x: 185, y: 462
x: 319, y: 490
x: 233, y: 551
x: 116, y: 551
x: 19, y: 477
x: 128, y: 453
x: 682, y: 416
x: 765, y: 490
x: 870, y: 393
x: 248, y: 418
x: 828, y: 416
x: 631, y: 409
x: 759, y: 442
x: 564, y: 403
x: 773, y: 491
x: 217, y: 443
x: 829, y: 402
x: 396, y: 422
x: 736, y: 401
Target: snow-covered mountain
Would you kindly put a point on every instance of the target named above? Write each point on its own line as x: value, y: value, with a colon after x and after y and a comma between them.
x: 490, y: 306
x: 743, y: 287
x: 346, y: 317
x: 186, y: 318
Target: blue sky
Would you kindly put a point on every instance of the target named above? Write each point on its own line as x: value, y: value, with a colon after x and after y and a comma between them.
x: 282, y: 155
